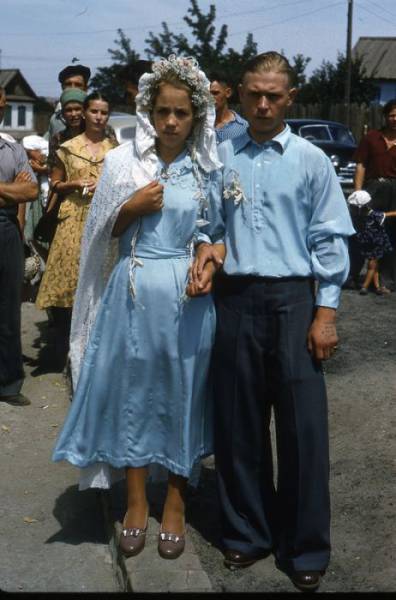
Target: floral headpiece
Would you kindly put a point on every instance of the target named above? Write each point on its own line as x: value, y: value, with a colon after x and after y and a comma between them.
x: 187, y: 70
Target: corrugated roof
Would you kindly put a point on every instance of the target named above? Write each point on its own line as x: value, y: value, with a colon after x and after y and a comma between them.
x: 379, y: 56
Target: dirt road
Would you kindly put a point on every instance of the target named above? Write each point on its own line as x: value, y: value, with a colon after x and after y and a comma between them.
x: 361, y: 383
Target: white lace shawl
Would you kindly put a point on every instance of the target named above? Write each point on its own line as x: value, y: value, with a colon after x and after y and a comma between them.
x: 98, y: 249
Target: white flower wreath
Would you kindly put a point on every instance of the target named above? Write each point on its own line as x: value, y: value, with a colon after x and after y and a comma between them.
x: 186, y: 69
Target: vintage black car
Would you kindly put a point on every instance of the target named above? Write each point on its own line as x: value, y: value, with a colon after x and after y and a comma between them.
x: 335, y: 140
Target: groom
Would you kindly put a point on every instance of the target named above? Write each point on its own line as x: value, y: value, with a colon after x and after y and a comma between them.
x: 284, y: 220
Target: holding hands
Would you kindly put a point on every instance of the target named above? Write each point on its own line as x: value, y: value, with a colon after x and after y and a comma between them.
x: 208, y: 260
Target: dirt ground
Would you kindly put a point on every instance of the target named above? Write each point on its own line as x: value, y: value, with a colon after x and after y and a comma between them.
x: 361, y: 383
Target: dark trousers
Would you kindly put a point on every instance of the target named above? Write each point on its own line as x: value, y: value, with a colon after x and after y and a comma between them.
x: 11, y: 278
x: 261, y: 362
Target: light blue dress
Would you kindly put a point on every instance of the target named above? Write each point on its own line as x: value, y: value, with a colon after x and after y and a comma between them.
x: 142, y: 396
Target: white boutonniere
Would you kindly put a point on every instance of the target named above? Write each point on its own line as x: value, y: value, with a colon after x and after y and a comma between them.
x: 233, y: 190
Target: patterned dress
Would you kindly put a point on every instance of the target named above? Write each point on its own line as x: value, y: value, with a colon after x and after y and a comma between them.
x: 59, y: 281
x: 373, y: 239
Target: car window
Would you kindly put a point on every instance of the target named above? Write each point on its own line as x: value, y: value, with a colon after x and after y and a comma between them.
x: 315, y: 132
x: 342, y: 135
x: 127, y: 133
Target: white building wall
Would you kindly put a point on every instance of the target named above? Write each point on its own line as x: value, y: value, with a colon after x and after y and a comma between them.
x: 14, y: 116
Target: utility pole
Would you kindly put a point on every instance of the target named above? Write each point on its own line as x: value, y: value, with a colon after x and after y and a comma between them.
x: 348, y: 64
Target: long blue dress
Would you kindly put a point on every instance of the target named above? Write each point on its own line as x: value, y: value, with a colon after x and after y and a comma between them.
x: 142, y: 394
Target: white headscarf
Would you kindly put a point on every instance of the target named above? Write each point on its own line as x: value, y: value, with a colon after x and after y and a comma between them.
x: 35, y: 142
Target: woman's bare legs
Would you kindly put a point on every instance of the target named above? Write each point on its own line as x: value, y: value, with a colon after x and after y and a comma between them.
x: 372, y: 274
x: 174, y: 507
x: 137, y: 510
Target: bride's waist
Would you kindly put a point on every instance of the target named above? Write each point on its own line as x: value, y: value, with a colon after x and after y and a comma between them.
x: 153, y: 251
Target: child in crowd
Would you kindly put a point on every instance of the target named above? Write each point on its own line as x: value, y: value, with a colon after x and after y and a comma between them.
x: 30, y: 214
x: 372, y: 237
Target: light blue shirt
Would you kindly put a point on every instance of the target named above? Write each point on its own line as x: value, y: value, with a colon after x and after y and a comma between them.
x: 292, y: 219
x: 231, y: 129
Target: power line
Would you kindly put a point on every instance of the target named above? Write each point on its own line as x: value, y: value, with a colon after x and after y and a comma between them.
x: 142, y: 27
x: 383, y: 9
x: 288, y: 19
x: 375, y: 14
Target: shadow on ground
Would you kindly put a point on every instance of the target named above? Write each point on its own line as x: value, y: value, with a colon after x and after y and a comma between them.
x: 45, y: 358
x: 80, y: 515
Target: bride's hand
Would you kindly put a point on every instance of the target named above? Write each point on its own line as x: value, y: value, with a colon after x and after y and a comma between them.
x: 148, y: 199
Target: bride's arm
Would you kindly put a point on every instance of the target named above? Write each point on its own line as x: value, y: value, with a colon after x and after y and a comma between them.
x: 146, y: 200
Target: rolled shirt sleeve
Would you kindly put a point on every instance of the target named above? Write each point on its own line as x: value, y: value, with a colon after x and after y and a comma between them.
x: 328, y: 232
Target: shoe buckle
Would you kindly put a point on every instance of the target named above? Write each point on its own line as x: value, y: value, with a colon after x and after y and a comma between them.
x: 134, y: 531
x: 169, y: 537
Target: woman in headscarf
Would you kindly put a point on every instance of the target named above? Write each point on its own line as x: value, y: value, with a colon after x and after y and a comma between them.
x: 140, y: 344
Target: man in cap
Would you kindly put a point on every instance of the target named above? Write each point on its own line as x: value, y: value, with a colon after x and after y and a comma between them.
x: 72, y: 76
x: 17, y: 185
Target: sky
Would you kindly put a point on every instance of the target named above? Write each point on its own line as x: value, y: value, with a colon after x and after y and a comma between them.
x: 40, y: 37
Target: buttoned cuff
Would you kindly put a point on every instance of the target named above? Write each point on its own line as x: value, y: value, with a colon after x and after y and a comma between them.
x: 328, y: 295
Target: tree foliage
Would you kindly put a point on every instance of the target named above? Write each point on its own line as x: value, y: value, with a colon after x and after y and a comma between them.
x: 107, y: 79
x: 327, y: 84
x: 208, y: 47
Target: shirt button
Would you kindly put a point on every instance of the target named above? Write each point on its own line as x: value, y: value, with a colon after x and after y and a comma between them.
x: 257, y: 185
x: 259, y: 164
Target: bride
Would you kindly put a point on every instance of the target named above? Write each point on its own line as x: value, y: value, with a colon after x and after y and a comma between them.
x: 141, y: 333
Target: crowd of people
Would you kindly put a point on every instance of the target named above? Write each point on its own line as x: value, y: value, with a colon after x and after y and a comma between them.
x: 193, y: 277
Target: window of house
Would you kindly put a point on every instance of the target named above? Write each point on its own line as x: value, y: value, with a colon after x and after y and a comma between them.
x: 7, y: 116
x: 21, y: 116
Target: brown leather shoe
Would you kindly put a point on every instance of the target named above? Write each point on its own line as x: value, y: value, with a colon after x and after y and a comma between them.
x: 15, y: 400
x: 132, y: 539
x: 306, y: 581
x: 170, y: 545
x: 234, y: 559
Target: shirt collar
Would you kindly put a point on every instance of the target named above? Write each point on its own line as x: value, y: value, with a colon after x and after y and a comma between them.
x: 237, y: 118
x: 281, y: 140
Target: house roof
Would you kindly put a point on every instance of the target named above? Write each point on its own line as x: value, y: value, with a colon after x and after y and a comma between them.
x: 15, y: 85
x: 378, y: 56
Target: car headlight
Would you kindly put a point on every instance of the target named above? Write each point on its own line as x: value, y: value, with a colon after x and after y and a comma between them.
x: 335, y: 159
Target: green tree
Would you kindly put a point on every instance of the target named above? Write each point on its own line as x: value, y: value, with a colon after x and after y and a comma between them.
x: 107, y: 79
x: 327, y: 84
x: 208, y: 47
x: 299, y: 63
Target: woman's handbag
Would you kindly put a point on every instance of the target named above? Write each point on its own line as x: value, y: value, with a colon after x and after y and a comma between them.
x: 45, y: 229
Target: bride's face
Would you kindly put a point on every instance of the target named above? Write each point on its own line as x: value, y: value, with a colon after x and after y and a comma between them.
x: 173, y: 117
